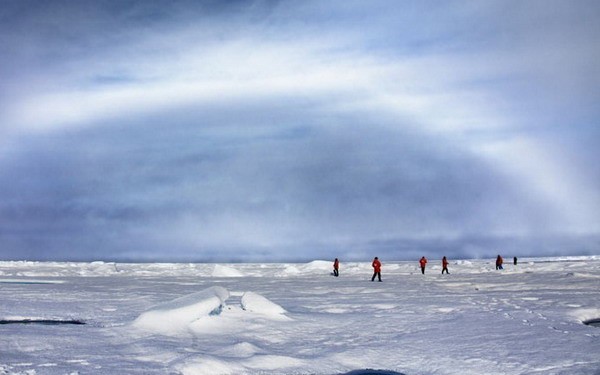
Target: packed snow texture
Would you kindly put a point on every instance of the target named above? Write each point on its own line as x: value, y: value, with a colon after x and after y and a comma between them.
x: 298, y: 319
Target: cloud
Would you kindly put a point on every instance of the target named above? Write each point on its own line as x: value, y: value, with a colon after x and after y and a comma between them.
x: 276, y: 131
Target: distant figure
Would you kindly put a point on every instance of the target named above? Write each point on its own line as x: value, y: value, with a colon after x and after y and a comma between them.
x: 376, y: 269
x: 515, y: 261
x: 336, y: 267
x: 499, y: 262
x: 445, y: 265
x: 423, y: 263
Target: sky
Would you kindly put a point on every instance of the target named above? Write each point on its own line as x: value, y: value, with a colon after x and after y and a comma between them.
x: 253, y: 131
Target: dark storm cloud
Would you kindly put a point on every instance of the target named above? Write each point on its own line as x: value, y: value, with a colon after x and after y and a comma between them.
x: 278, y: 131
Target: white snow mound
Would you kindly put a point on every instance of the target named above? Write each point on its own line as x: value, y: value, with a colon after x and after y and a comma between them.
x: 254, y: 302
x: 177, y: 314
x: 586, y: 314
x: 318, y: 265
x: 224, y: 271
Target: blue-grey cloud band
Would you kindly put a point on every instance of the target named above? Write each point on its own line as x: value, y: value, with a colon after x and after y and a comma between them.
x: 278, y: 131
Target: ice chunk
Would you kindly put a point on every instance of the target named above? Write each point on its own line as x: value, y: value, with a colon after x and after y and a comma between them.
x: 318, y: 265
x: 176, y: 315
x: 256, y: 303
x: 224, y: 271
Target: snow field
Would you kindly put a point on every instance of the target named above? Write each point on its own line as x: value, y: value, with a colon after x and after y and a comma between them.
x: 298, y: 319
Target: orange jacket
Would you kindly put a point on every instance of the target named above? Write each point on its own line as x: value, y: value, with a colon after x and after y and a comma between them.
x: 423, y: 262
x: 444, y: 262
x: 376, y: 265
x: 336, y: 264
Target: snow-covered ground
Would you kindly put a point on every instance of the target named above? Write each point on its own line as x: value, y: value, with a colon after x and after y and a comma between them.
x: 298, y: 319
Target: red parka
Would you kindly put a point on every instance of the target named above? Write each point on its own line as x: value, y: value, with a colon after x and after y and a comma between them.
x: 423, y: 262
x: 376, y: 265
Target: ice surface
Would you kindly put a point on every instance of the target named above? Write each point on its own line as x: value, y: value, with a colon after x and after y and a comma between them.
x: 298, y: 319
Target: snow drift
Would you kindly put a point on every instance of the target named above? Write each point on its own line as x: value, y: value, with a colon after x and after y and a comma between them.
x: 175, y: 315
x: 187, y: 313
x: 256, y: 303
x: 224, y: 271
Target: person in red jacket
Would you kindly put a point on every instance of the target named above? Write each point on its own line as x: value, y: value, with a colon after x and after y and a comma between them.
x: 336, y: 267
x: 499, y: 262
x: 444, y: 265
x: 423, y: 263
x: 376, y: 269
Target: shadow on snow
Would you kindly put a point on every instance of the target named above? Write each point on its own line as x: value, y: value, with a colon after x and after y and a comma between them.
x: 49, y: 322
x: 372, y: 372
x: 593, y: 322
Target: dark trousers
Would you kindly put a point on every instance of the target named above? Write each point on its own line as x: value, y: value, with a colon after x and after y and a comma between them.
x: 378, y: 274
x: 445, y: 269
x: 423, y: 270
x: 336, y: 273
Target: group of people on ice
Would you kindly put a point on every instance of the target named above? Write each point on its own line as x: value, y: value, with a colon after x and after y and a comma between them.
x: 423, y: 263
x: 376, y: 264
x: 500, y: 261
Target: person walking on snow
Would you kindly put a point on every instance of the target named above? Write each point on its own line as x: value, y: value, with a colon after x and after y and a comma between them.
x: 376, y: 269
x: 445, y: 265
x: 423, y: 263
x: 499, y: 262
x: 336, y: 267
